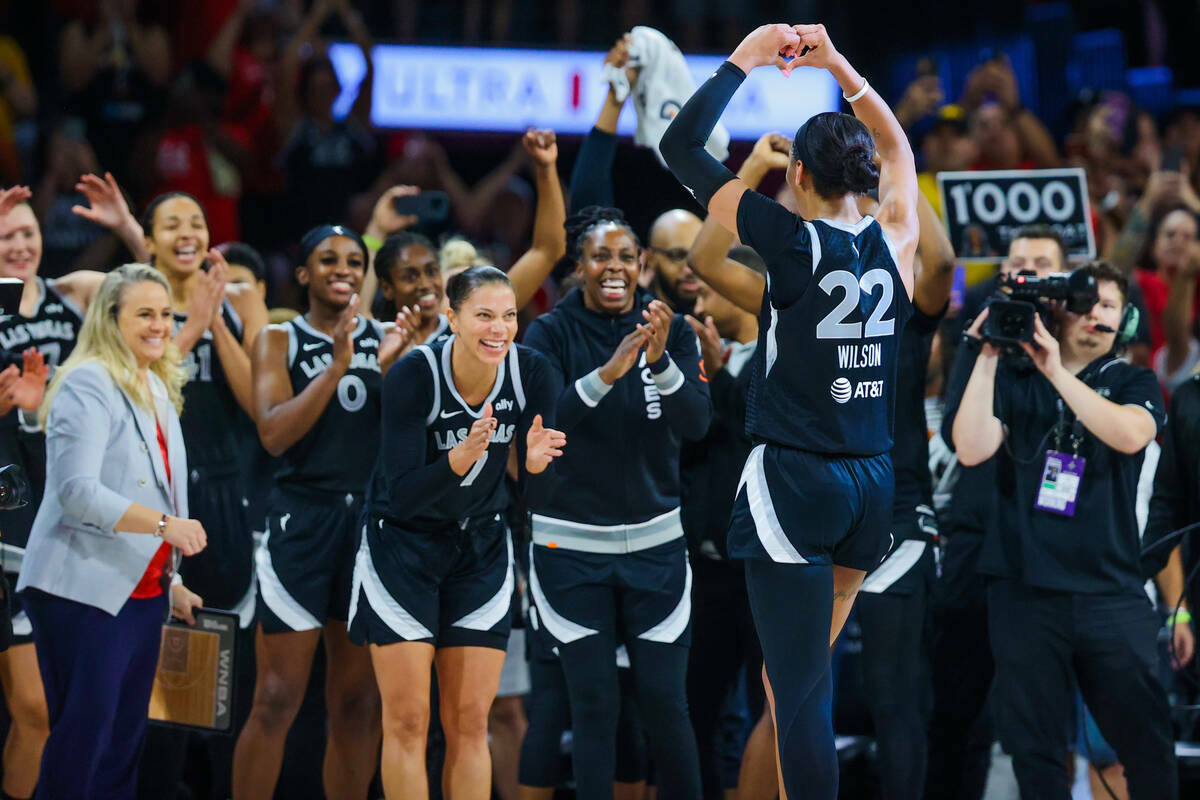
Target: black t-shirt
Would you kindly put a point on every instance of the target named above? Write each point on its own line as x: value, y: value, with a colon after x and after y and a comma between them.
x: 1097, y: 550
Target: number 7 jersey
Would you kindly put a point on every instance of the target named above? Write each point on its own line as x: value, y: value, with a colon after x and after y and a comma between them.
x: 829, y: 331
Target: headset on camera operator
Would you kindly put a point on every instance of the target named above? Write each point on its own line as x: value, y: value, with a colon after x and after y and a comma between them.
x: 1065, y: 599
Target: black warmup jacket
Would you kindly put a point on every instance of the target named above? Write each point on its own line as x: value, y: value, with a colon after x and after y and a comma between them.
x: 621, y: 462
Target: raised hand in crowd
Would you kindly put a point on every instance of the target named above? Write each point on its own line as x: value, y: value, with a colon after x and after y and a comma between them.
x: 464, y: 454
x: 385, y: 220
x: 12, y: 197
x: 542, y: 146
x: 108, y: 208
x: 922, y: 97
x: 543, y: 445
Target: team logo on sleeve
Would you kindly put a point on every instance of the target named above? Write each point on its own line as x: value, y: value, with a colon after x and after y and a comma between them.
x: 840, y: 390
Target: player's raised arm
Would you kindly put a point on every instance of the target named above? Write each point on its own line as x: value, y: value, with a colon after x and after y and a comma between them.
x: 897, y: 168
x: 682, y: 146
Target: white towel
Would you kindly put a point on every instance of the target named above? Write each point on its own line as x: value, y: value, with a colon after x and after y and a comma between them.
x: 664, y: 84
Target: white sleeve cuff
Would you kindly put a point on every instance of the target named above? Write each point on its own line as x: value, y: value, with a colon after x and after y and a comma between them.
x: 592, y: 389
x: 670, y: 379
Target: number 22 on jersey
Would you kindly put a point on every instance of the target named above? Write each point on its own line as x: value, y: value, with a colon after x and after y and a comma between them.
x: 834, y: 324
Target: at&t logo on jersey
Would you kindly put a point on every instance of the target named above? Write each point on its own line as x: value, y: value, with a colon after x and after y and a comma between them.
x: 842, y: 391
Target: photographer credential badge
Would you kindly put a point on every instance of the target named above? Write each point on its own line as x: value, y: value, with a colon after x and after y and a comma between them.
x: 1060, y: 483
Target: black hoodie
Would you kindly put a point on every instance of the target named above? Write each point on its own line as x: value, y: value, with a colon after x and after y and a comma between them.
x: 621, y: 462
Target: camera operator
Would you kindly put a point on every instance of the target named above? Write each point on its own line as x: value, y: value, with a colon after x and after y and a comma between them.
x: 960, y: 742
x: 1065, y: 600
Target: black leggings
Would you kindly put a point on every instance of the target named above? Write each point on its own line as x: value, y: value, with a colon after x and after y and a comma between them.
x: 550, y: 715
x: 793, y: 609
x: 659, y: 672
x: 896, y: 686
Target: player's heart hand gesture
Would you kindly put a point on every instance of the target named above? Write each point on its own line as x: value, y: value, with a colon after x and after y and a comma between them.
x: 767, y: 45
x: 542, y: 445
x: 464, y: 454
x: 343, y: 346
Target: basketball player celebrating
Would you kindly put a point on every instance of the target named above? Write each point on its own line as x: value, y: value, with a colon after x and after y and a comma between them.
x: 814, y: 504
x: 316, y: 389
x: 434, y: 573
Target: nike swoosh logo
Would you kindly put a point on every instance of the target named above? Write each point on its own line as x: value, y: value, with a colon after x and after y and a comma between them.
x: 450, y: 414
x: 312, y: 346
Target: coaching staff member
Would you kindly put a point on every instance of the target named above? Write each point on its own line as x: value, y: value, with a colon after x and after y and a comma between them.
x: 99, y: 553
x: 1065, y: 600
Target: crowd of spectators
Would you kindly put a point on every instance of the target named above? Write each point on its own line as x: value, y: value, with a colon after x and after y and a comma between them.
x: 232, y: 102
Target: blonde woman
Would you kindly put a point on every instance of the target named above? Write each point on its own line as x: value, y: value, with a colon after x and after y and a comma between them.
x: 100, y: 553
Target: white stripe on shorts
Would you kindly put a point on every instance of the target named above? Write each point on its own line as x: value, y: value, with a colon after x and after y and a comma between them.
x: 402, y: 623
x: 487, y: 615
x: 676, y: 622
x: 766, y: 522
x: 556, y: 624
x: 277, y: 598
x: 894, y: 567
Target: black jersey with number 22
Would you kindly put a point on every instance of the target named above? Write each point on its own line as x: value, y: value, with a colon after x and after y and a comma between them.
x: 829, y: 331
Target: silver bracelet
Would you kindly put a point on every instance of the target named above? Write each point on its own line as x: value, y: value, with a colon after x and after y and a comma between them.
x: 162, y: 526
x: 854, y: 98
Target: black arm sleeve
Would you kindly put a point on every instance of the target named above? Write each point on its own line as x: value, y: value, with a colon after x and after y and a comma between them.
x: 591, y: 177
x: 413, y: 482
x: 682, y: 146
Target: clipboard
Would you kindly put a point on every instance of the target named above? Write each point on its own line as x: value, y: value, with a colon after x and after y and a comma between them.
x: 194, y: 684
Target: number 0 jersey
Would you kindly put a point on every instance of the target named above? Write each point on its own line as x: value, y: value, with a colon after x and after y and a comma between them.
x: 339, y: 451
x: 829, y: 331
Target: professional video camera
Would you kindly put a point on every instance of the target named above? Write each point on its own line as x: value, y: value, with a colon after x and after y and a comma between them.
x: 1021, y: 296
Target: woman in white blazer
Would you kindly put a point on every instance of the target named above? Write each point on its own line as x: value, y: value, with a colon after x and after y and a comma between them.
x: 101, y: 551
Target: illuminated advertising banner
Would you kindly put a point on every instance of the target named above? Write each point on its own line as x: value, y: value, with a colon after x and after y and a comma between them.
x: 490, y: 89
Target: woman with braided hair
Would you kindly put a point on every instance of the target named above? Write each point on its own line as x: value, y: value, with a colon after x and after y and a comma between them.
x: 608, y: 562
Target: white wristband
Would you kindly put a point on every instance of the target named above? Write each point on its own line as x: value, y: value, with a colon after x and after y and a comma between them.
x: 866, y: 87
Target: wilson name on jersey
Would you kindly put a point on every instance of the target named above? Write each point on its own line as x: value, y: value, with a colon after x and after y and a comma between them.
x: 338, y: 452
x: 825, y: 368
x: 52, y: 328
x: 210, y: 411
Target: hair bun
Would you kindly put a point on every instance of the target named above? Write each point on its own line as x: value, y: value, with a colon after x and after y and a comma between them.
x: 859, y: 170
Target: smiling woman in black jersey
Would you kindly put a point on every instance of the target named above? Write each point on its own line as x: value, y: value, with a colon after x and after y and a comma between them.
x: 434, y: 573
x: 316, y: 388
x: 814, y: 504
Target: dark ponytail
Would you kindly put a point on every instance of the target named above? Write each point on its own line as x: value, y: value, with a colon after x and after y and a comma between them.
x: 837, y: 151
x: 464, y: 284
